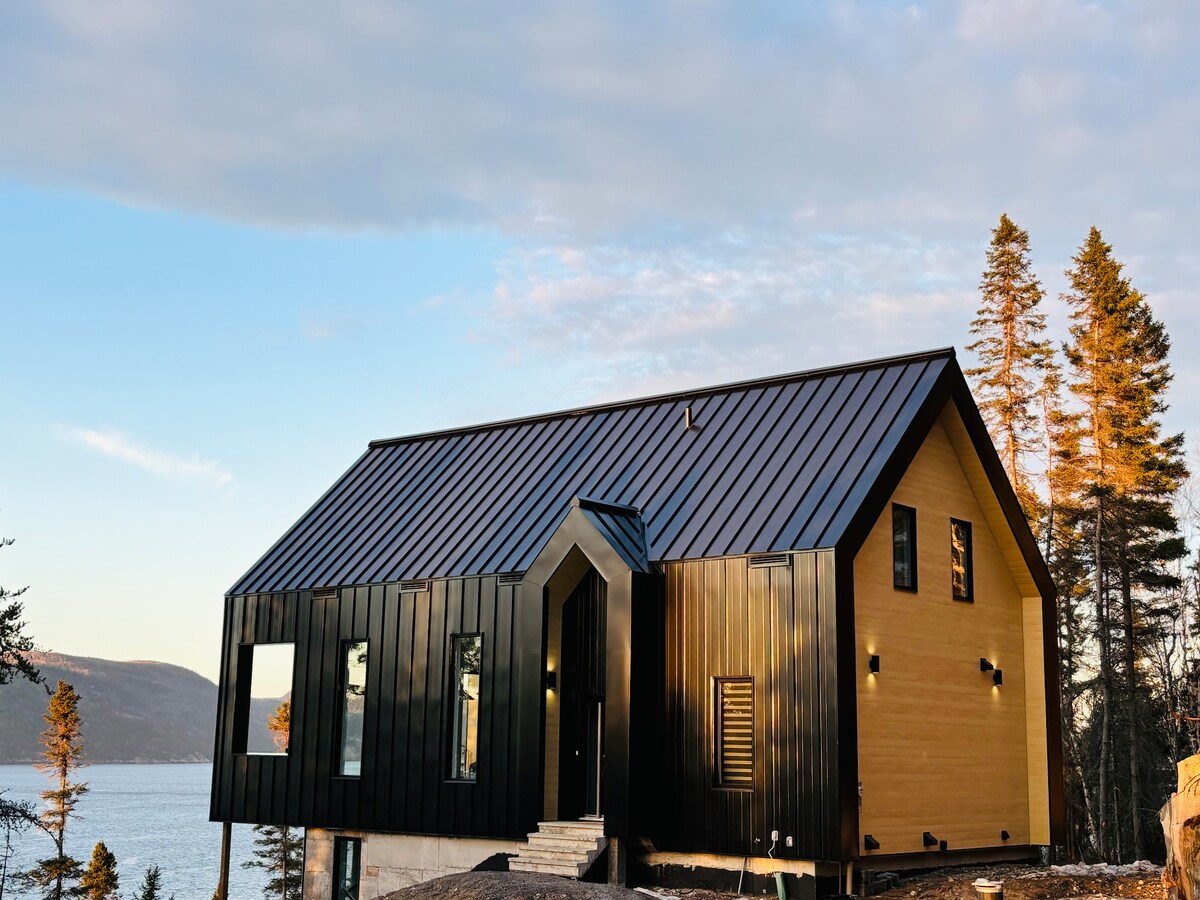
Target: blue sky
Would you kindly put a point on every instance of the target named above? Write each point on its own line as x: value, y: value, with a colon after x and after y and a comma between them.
x: 239, y: 241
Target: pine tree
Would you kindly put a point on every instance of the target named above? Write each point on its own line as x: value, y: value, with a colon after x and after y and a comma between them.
x: 280, y: 848
x: 1127, y: 474
x: 150, y: 884
x: 100, y: 880
x: 56, y: 875
x: 1012, y: 353
x: 15, y: 644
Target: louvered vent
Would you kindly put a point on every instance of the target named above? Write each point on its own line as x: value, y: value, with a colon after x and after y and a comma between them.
x: 511, y: 578
x: 735, y: 732
x: 762, y: 560
x: 325, y: 594
x: 418, y: 586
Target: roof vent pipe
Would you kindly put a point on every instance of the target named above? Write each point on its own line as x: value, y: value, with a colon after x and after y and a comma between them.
x: 687, y: 419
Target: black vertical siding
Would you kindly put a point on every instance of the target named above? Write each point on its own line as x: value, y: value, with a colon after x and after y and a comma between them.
x: 725, y: 617
x: 404, y: 785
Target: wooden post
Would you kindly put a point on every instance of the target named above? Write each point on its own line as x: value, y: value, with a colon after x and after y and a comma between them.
x: 618, y: 853
x: 226, y: 838
x: 1181, y: 829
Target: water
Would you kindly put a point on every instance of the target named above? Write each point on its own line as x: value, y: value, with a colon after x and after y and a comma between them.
x: 147, y: 815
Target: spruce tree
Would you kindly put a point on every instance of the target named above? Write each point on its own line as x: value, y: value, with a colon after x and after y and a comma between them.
x: 62, y: 740
x: 15, y: 644
x: 100, y: 880
x: 150, y: 885
x: 1012, y: 353
x: 1128, y: 474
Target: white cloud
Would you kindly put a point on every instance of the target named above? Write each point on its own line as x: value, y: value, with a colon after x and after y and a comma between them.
x: 117, y: 445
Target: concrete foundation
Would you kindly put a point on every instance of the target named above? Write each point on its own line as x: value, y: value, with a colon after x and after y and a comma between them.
x: 392, y: 861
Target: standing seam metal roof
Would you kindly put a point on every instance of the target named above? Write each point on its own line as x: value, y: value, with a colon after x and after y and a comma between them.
x: 776, y: 464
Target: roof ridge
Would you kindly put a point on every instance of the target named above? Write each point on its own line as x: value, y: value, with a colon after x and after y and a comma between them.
x: 691, y: 394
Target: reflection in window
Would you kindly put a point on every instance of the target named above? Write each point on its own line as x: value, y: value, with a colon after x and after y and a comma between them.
x: 466, y: 651
x: 264, y: 672
x: 354, y: 681
x: 904, y: 547
x: 346, y: 855
x: 960, y: 559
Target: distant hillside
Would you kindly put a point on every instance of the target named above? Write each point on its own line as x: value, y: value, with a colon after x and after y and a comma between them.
x: 132, y: 711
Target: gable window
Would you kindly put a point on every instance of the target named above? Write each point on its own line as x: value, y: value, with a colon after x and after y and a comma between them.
x: 904, y: 547
x: 735, y: 732
x: 961, y: 577
x: 264, y: 672
x: 466, y: 654
x: 347, y: 853
x: 354, y: 699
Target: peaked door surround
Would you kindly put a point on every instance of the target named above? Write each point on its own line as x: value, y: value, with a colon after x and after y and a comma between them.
x: 604, y: 537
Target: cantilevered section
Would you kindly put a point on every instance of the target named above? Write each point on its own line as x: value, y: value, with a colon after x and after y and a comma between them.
x: 781, y: 463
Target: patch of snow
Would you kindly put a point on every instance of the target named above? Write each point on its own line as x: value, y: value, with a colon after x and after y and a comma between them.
x: 1097, y: 870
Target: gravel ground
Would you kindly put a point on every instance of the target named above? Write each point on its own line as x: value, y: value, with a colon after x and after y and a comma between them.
x: 1033, y: 883
x: 510, y: 886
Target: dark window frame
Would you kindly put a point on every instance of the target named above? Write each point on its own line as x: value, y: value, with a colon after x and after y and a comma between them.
x: 968, y: 561
x: 452, y: 718
x: 339, y: 870
x: 340, y: 730
x: 242, y: 697
x: 911, y: 514
x: 718, y: 781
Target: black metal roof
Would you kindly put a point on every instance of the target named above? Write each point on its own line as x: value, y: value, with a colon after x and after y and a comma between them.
x: 781, y: 463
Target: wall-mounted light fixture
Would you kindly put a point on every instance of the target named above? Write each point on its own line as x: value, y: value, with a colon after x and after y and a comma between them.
x: 929, y: 840
x: 869, y: 842
x: 1004, y: 835
x: 985, y: 665
x: 552, y: 681
x: 998, y: 678
x: 873, y: 664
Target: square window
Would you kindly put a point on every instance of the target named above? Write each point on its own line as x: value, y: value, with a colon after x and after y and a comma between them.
x: 961, y: 576
x: 904, y: 547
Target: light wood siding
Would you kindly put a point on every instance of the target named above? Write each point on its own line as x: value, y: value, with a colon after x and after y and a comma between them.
x: 941, y: 749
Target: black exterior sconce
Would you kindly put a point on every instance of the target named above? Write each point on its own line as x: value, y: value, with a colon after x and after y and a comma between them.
x: 552, y: 681
x: 869, y: 842
x: 929, y: 840
x: 1004, y: 835
x: 998, y: 678
x: 873, y: 665
x: 985, y: 665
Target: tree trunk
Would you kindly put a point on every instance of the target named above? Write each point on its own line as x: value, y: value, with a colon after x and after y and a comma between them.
x: 1102, y: 837
x: 1135, y: 784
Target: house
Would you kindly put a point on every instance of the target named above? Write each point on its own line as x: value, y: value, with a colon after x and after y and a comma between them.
x: 797, y: 624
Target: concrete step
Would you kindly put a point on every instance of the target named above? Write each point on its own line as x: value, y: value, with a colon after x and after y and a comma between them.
x: 566, y: 841
x: 551, y: 854
x: 546, y: 868
x: 575, y: 828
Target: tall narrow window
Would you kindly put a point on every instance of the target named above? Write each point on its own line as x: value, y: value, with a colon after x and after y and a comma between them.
x: 735, y: 732
x: 904, y: 547
x: 346, y: 857
x: 466, y: 652
x: 354, y: 698
x: 960, y: 560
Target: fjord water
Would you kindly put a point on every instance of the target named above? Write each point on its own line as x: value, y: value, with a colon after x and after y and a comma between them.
x: 148, y: 814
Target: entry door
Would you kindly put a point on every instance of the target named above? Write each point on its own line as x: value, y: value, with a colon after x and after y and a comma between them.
x: 581, y: 724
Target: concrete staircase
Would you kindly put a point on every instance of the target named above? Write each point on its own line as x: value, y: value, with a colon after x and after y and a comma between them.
x: 561, y: 848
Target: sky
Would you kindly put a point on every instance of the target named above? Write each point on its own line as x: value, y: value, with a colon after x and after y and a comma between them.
x: 238, y: 241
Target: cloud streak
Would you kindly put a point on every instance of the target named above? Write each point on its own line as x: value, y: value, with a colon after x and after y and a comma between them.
x: 117, y: 445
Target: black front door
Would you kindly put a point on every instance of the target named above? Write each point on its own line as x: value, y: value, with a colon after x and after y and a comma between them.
x: 581, y: 735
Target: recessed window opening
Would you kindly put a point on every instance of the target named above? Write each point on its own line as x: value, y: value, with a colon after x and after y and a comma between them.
x: 264, y: 681
x: 354, y: 699
x: 734, y: 716
x: 904, y: 547
x: 347, y: 856
x: 961, y: 576
x: 466, y: 659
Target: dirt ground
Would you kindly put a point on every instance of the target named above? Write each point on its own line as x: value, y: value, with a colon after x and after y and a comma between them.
x: 1021, y: 882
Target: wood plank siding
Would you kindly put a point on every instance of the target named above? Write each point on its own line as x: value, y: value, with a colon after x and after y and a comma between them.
x: 404, y: 784
x: 941, y: 748
x: 775, y: 624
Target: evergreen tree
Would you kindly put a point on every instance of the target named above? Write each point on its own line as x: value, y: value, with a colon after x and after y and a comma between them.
x: 100, y: 880
x: 56, y: 875
x: 150, y: 885
x: 15, y: 645
x: 1127, y: 473
x: 280, y: 848
x: 1012, y: 353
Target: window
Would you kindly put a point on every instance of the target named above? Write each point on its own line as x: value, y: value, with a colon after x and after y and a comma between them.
x: 466, y: 651
x: 264, y: 672
x: 735, y: 732
x: 904, y: 547
x: 960, y: 560
x: 354, y: 698
x: 346, y: 856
